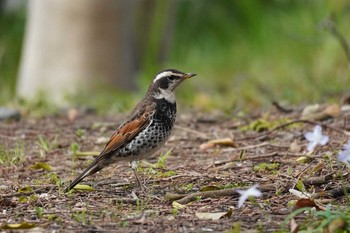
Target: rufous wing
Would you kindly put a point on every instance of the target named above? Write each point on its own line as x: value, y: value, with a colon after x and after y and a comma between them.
x: 128, y: 130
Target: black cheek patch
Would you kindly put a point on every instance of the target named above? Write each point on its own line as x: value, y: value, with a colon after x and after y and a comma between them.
x: 163, y: 83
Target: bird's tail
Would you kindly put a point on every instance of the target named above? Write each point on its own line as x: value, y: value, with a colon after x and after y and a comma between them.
x: 93, y: 168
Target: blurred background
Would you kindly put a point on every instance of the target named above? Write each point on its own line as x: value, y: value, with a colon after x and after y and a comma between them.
x: 104, y: 54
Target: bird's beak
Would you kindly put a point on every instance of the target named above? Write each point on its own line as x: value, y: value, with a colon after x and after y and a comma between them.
x: 188, y: 75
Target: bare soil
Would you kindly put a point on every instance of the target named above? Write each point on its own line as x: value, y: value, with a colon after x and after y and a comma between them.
x: 112, y: 206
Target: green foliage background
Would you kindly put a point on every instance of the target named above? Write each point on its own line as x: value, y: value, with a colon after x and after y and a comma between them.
x: 246, y: 53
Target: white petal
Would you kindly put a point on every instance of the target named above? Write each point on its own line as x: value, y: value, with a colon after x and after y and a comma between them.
x: 324, y: 140
x: 309, y: 136
x: 311, y: 146
x: 252, y: 191
x: 318, y: 130
x: 344, y: 157
x: 241, y: 200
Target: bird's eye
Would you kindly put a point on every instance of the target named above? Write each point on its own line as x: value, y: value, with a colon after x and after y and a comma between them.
x: 171, y: 78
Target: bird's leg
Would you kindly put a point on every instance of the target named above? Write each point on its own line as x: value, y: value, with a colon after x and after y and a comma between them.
x: 134, y: 165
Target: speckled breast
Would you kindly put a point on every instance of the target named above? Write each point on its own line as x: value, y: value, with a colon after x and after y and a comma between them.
x: 154, y: 136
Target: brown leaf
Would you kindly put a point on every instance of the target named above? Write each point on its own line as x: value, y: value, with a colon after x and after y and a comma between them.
x: 304, y: 202
x: 332, y: 110
x: 315, y: 113
x: 228, y: 142
x: 6, y: 202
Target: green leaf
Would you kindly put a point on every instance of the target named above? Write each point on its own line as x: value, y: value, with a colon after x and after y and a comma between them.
x: 74, y: 147
x: 162, y: 160
x: 22, y: 199
x: 177, y: 205
x: 83, y: 187
x: 26, y: 189
x: 23, y: 225
x: 300, y: 186
x: 209, y: 188
x: 39, y: 211
x: 266, y: 167
x: 40, y: 165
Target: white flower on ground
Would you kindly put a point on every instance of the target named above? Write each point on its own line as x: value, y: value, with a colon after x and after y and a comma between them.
x: 316, y: 137
x: 245, y: 194
x: 344, y: 155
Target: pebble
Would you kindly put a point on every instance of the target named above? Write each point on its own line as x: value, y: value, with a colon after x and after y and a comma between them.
x: 9, y: 114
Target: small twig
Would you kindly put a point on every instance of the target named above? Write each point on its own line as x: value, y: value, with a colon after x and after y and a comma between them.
x: 318, y: 180
x: 273, y: 154
x: 302, y: 172
x: 174, y: 196
x: 194, y: 196
x: 268, y: 155
x: 176, y: 176
x: 185, y: 199
x: 114, y: 184
x: 281, y: 108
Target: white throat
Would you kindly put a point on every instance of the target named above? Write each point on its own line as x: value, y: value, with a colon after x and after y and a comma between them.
x: 167, y: 95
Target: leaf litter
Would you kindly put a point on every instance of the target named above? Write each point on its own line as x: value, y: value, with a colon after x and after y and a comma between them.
x: 239, y: 156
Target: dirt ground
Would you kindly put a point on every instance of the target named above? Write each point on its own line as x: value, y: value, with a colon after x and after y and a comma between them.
x: 265, y: 151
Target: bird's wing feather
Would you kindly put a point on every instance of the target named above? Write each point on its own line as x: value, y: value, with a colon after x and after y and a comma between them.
x: 129, y: 130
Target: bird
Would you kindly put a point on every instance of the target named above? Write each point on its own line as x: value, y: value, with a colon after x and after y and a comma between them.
x: 146, y: 128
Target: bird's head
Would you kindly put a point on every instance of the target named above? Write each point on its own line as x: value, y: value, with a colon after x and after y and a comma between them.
x: 166, y: 81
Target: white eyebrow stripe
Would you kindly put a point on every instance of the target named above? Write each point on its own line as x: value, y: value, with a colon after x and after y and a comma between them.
x: 164, y: 74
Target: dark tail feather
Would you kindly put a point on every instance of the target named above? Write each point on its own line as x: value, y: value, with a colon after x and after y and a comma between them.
x: 93, y: 168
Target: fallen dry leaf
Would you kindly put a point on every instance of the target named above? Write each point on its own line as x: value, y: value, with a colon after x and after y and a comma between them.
x: 214, y: 216
x: 310, y: 109
x: 299, y: 194
x: 317, y: 113
x: 228, y: 142
x: 294, y: 227
x: 332, y: 110
x: 306, y: 202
